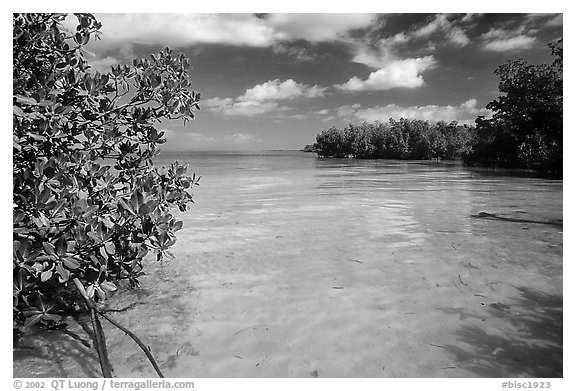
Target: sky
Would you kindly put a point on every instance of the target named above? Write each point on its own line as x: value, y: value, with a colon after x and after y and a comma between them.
x: 274, y: 81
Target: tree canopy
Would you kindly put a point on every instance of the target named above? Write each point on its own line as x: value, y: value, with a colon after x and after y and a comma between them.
x: 88, y: 202
x: 526, y: 128
x: 397, y: 139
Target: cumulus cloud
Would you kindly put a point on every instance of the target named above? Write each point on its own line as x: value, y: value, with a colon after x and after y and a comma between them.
x: 262, y: 98
x: 396, y: 74
x: 275, y: 90
x: 464, y: 113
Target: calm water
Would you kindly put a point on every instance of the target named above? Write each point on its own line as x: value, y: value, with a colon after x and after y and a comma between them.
x: 289, y: 265
x: 417, y: 197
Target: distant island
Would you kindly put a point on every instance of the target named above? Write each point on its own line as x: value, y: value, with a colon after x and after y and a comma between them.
x: 403, y: 139
x: 308, y: 148
x: 525, y: 130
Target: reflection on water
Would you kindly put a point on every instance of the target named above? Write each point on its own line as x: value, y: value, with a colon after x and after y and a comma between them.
x: 389, y: 213
x: 412, y: 196
x: 350, y: 268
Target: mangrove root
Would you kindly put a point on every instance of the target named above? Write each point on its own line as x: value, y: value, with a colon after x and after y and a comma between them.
x: 100, y: 339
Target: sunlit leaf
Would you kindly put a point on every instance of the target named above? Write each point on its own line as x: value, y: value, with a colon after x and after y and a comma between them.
x: 49, y: 248
x: 90, y: 291
x: 17, y: 111
x: 90, y: 211
x: 25, y: 100
x: 110, y: 248
x: 64, y: 274
x: 45, y: 276
x: 109, y: 286
x: 71, y: 263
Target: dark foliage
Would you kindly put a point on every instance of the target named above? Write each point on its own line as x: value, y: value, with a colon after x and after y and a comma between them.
x: 88, y: 202
x: 403, y: 139
x: 526, y: 129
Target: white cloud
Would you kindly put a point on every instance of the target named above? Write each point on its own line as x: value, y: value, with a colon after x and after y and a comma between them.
x: 236, y: 29
x: 298, y: 117
x: 122, y: 31
x: 262, y: 98
x: 317, y: 27
x: 458, y: 37
x: 275, y: 90
x: 464, y: 113
x: 519, y: 42
x: 344, y: 111
x: 199, y: 138
x: 496, y: 33
x: 396, y: 74
x: 398, y: 39
x: 229, y: 106
x: 501, y: 40
x: 469, y: 17
x: 440, y: 22
x: 177, y: 30
x: 378, y: 54
x: 298, y: 53
x: 374, y: 57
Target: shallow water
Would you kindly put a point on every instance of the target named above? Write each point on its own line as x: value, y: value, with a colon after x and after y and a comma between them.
x: 289, y: 265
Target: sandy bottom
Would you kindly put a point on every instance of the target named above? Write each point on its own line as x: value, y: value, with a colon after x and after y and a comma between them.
x: 232, y: 308
x: 346, y: 288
